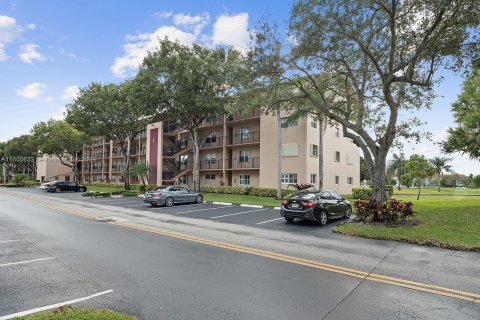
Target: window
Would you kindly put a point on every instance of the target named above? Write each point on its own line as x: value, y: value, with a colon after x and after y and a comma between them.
x: 337, y: 132
x: 183, y: 180
x: 243, y: 155
x: 287, y: 122
x: 313, y: 178
x: 210, y: 179
x: 313, y: 150
x: 289, y: 178
x: 337, y: 156
x: 244, y: 180
x: 211, y: 158
x: 313, y: 123
x: 211, y: 138
x: 245, y: 133
x: 337, y: 180
x: 350, y: 180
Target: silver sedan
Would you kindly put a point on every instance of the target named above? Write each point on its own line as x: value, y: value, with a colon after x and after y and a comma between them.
x: 168, y: 195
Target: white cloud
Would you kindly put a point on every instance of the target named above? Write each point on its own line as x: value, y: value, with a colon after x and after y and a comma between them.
x: 137, y: 47
x: 163, y: 14
x: 32, y: 91
x: 232, y: 31
x: 3, y: 55
x: 29, y: 53
x: 59, y: 114
x: 70, y: 93
x: 9, y: 29
x: 196, y: 23
x: 31, y: 26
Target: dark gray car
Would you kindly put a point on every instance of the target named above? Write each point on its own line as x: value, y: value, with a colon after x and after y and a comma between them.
x: 169, y: 195
x: 315, y: 205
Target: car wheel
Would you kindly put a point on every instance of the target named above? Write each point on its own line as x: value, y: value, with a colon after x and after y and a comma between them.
x: 322, y: 218
x: 169, y: 202
x: 199, y: 199
x: 57, y: 190
x: 289, y: 220
x: 348, y: 213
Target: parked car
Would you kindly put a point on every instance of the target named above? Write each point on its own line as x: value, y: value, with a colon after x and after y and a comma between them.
x: 168, y: 195
x: 44, y: 186
x: 66, y: 186
x: 315, y: 205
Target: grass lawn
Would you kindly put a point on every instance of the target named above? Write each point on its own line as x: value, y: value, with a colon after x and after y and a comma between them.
x: 451, y: 222
x: 104, y: 189
x: 68, y: 313
x: 244, y: 199
x: 434, y: 191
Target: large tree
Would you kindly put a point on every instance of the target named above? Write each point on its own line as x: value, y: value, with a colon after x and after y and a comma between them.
x: 465, y: 138
x: 361, y: 62
x: 116, y: 112
x: 191, y: 82
x: 60, y: 139
x: 20, y: 156
x: 441, y: 164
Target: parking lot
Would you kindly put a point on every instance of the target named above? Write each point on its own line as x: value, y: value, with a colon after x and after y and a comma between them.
x: 253, y: 216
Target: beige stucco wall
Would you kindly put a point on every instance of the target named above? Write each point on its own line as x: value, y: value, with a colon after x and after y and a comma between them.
x: 342, y: 169
x: 51, y: 168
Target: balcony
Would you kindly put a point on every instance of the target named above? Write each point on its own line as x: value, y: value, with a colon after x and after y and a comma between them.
x: 172, y: 128
x: 211, y: 164
x: 250, y: 115
x: 247, y: 163
x: 243, y: 138
x: 212, y: 121
x: 213, y: 142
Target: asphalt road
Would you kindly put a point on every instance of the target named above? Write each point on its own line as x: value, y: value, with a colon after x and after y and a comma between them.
x: 48, y: 256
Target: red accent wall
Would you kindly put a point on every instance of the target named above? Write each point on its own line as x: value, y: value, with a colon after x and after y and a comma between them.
x: 153, y: 156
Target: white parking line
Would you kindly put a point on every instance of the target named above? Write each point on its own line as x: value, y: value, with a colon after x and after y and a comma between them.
x: 199, y: 210
x: 53, y: 306
x: 269, y: 221
x: 27, y: 261
x: 237, y: 213
x: 7, y: 241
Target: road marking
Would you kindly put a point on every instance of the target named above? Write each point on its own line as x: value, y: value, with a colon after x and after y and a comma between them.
x: 8, y: 241
x: 53, y: 306
x: 23, y: 262
x: 199, y: 210
x: 269, y: 221
x: 237, y: 213
x: 418, y: 286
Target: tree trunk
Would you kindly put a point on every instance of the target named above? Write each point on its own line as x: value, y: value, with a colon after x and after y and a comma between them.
x: 196, y: 159
x: 379, y: 182
x: 126, y: 166
x: 418, y: 195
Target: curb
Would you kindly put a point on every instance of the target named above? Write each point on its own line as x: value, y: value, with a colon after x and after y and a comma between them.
x: 242, y: 205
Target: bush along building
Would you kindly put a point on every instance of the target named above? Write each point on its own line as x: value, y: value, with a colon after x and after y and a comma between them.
x: 235, y: 151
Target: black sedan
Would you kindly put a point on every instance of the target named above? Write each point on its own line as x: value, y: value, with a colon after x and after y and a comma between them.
x: 315, y: 205
x: 66, y: 186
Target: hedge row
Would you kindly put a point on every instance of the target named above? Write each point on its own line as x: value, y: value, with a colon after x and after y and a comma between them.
x: 94, y: 194
x: 366, y: 193
x: 251, y: 191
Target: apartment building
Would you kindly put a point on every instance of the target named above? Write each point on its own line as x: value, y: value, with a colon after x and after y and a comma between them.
x: 236, y: 151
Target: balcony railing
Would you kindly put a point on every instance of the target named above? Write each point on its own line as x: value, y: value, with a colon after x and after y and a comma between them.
x: 211, y: 164
x: 212, y: 120
x: 246, y: 163
x: 236, y: 117
x: 241, y: 138
x: 212, y: 142
x: 172, y: 128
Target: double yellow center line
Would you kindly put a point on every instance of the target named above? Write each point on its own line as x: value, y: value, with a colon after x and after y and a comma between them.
x: 423, y: 287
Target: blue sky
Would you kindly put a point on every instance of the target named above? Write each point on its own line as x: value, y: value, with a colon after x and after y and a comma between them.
x: 50, y: 48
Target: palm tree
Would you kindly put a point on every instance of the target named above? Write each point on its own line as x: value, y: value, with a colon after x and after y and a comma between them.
x: 441, y: 164
x: 397, y: 166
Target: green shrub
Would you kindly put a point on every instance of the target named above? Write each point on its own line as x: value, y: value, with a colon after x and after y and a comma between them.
x: 94, y: 194
x: 32, y: 183
x: 225, y: 189
x: 20, y: 178
x: 388, y: 211
x: 130, y: 193
x: 361, y: 193
x: 263, y: 192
